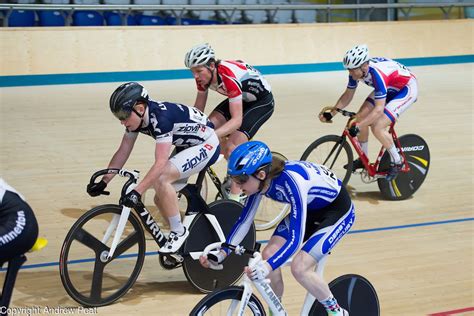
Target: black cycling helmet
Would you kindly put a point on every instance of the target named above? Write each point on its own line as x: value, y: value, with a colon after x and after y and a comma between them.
x: 125, y: 97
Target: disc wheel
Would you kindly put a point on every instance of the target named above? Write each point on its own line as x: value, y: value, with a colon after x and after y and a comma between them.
x: 406, y: 184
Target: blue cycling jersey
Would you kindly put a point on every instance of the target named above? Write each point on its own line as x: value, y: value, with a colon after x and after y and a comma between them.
x: 306, y: 187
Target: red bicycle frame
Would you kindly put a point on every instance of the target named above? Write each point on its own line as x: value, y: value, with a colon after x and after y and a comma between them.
x: 372, y: 167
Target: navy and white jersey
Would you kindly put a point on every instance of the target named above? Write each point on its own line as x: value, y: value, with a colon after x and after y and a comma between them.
x: 306, y: 187
x: 175, y: 123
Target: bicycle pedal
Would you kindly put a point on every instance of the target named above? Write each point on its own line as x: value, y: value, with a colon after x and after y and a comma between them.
x: 171, y: 261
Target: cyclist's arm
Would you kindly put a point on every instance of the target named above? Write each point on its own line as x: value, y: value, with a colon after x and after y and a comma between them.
x: 236, y: 113
x: 344, y: 100
x: 373, y: 115
x: 201, y: 99
x: 298, y: 202
x: 243, y: 224
x: 162, y: 150
x: 121, y: 155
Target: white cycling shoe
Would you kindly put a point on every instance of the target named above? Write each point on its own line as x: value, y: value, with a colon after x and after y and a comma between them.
x: 175, y: 241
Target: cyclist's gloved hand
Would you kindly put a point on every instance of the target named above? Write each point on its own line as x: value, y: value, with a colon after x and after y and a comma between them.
x: 95, y: 189
x: 260, y: 271
x: 131, y: 199
x: 215, y: 259
x: 354, y: 130
x: 325, y: 115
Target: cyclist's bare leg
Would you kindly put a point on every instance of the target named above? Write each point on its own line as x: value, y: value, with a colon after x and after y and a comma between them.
x: 165, y: 198
x: 276, y: 279
x: 380, y: 131
x: 302, y: 268
x: 364, y: 110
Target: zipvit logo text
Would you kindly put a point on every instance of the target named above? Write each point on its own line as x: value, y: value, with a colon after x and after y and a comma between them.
x: 413, y: 148
x: 190, y: 163
x: 188, y: 128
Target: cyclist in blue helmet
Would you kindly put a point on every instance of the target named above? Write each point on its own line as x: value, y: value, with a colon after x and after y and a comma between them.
x: 321, y: 214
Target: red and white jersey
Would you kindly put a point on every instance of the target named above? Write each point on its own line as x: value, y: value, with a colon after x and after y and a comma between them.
x: 385, y: 75
x: 239, y: 81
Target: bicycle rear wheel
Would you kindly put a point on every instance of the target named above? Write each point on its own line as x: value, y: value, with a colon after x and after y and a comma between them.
x: 334, y: 152
x: 201, y: 234
x: 226, y: 302
x: 354, y: 293
x: 270, y: 212
x: 87, y: 276
x: 406, y: 184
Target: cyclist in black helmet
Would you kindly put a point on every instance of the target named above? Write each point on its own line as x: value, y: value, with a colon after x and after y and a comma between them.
x: 169, y: 124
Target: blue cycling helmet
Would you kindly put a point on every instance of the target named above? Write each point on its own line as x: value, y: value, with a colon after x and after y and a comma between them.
x: 248, y: 158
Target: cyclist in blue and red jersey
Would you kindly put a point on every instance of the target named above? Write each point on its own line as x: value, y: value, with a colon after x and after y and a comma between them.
x: 395, y: 90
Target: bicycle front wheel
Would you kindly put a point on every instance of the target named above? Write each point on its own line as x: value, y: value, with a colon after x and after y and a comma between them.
x: 87, y: 276
x: 354, y: 293
x: 333, y: 152
x: 226, y: 302
x: 201, y: 234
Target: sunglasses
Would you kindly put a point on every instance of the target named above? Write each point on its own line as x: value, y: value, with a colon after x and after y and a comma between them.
x: 240, y: 179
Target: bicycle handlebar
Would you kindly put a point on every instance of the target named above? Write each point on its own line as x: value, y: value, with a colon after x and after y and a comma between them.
x: 240, y: 250
x: 132, y: 175
x: 346, y: 113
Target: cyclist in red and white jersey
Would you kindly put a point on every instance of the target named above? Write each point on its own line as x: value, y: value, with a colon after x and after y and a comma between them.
x: 249, y: 101
x: 395, y: 90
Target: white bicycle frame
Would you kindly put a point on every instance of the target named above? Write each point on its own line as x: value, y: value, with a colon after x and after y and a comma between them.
x: 118, y: 222
x: 263, y: 287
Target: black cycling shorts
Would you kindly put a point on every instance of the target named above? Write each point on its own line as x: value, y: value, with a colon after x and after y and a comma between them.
x: 18, y: 227
x: 255, y: 113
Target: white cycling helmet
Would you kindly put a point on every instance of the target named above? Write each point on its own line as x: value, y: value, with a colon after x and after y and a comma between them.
x: 199, y: 55
x: 356, y: 56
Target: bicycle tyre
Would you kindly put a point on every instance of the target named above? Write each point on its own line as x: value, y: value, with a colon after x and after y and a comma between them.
x: 201, y: 234
x: 76, y: 233
x: 327, y: 160
x: 406, y: 184
x: 204, y: 307
x: 354, y: 293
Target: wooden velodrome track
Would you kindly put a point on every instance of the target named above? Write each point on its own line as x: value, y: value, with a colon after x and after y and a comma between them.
x: 418, y: 253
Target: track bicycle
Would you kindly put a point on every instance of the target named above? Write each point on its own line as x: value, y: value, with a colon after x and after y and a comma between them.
x: 353, y: 292
x: 113, y: 238
x: 335, y: 152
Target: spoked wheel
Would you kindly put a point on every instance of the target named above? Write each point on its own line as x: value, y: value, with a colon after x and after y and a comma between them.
x: 354, y: 293
x: 405, y: 184
x: 334, y: 152
x: 201, y: 234
x: 88, y: 277
x: 226, y: 302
